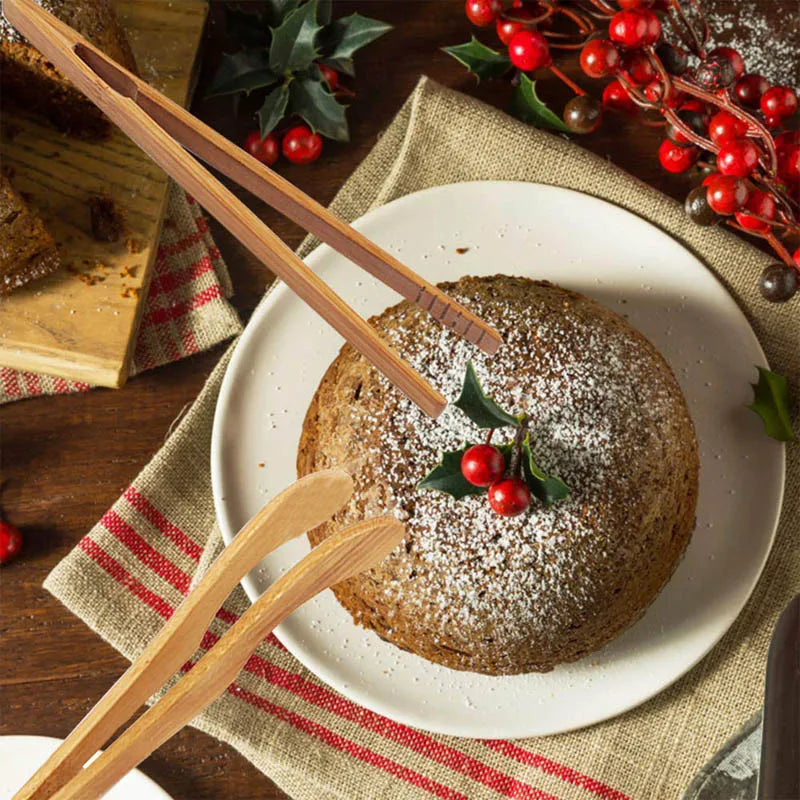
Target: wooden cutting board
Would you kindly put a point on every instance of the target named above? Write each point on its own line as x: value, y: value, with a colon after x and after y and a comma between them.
x: 81, y: 322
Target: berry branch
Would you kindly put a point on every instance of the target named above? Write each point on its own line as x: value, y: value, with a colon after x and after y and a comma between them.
x: 730, y: 125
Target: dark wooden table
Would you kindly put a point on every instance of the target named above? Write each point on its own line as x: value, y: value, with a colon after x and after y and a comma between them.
x: 66, y: 459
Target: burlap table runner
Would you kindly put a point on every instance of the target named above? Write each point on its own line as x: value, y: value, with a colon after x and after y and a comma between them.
x: 129, y: 573
x: 186, y: 310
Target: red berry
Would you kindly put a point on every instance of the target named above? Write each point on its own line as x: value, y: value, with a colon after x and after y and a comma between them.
x: 301, y: 146
x: 653, y: 27
x: 599, y: 58
x: 482, y: 464
x: 509, y: 497
x: 760, y: 203
x: 779, y: 102
x: 629, y: 28
x: 725, y: 193
x: 264, y: 150
x: 675, y: 158
x: 506, y: 28
x: 737, y: 62
x: 789, y: 165
x: 796, y: 257
x: 329, y: 75
x: 725, y: 127
x: 749, y: 89
x: 528, y: 50
x: 630, y: 5
x: 483, y: 12
x: 738, y: 157
x: 10, y: 542
x: 616, y: 96
x: 772, y: 122
x: 636, y: 65
x: 654, y: 91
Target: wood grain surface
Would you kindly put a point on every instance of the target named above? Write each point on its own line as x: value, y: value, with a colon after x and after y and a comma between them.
x: 66, y: 459
x: 80, y: 322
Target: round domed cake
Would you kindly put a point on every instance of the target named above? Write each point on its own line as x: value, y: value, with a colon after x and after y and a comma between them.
x: 477, y: 591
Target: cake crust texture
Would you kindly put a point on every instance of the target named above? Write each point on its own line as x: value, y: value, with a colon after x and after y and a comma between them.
x: 469, y: 589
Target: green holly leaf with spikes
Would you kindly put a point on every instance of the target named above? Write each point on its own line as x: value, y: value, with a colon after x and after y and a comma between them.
x: 344, y: 36
x: 482, y: 410
x: 447, y: 476
x: 771, y: 402
x: 273, y: 109
x: 293, y: 41
x: 480, y: 60
x: 548, y: 488
x: 244, y: 71
x: 310, y: 99
x: 526, y: 106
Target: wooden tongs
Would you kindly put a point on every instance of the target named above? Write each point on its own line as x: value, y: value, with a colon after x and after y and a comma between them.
x: 301, y: 507
x: 163, y: 129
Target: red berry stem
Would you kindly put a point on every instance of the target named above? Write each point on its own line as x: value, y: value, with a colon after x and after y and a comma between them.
x: 777, y: 246
x: 572, y: 85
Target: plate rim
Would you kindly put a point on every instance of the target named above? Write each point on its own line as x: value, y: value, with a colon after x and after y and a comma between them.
x: 248, y: 583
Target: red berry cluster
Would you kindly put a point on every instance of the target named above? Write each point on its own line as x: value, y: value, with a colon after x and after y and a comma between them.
x: 10, y: 541
x: 483, y: 465
x: 299, y: 144
x: 729, y: 124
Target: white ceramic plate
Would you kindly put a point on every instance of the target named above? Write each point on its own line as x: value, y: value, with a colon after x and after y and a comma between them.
x: 628, y: 264
x: 21, y: 756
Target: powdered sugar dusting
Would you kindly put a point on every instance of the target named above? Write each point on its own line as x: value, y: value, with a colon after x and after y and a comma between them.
x: 595, y: 398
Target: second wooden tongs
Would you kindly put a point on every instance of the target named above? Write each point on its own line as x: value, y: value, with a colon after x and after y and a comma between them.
x: 302, y: 506
x: 163, y: 129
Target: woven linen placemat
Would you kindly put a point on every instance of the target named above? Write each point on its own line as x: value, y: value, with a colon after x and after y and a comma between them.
x: 128, y: 574
x: 186, y: 310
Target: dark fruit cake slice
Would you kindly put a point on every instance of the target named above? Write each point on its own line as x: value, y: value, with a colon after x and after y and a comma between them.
x: 27, y: 250
x: 32, y: 83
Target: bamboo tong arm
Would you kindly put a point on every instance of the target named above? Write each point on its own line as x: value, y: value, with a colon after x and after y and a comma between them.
x: 58, y: 42
x: 342, y: 555
x: 302, y: 506
x: 213, y: 148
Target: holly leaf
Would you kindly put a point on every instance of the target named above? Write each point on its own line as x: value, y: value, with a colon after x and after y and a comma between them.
x: 343, y: 65
x: 293, y: 41
x: 771, y: 402
x: 447, y: 476
x: 273, y: 109
x: 480, y: 60
x: 548, y: 488
x: 526, y: 106
x: 277, y: 10
x: 344, y: 36
x: 310, y: 99
x: 244, y: 71
x: 482, y: 410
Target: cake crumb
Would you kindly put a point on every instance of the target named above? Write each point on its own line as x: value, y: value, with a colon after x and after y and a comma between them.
x: 462, y: 250
x: 108, y: 221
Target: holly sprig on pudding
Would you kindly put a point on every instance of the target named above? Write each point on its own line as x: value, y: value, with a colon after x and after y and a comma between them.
x: 507, y: 473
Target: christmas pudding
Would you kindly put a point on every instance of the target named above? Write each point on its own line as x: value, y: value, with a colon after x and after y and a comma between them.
x: 545, y: 508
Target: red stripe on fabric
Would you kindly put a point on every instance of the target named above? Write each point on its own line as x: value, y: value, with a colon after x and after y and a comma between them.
x: 120, y: 574
x: 80, y: 386
x: 138, y: 501
x: 167, y: 251
x: 32, y: 384
x: 202, y: 224
x: 116, y: 571
x: 10, y: 382
x: 170, y: 281
x: 566, y: 774
x: 145, y: 552
x: 60, y: 386
x: 333, y: 739
x: 162, y: 315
